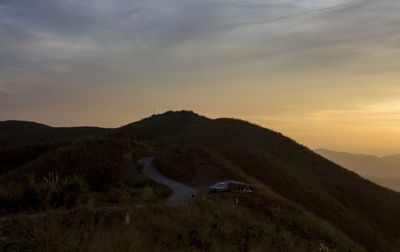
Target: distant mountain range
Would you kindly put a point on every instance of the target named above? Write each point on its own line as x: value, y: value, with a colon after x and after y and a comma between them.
x: 384, y: 171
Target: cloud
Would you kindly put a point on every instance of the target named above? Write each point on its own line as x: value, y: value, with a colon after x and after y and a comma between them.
x: 53, y: 28
x: 99, y: 45
x: 289, y: 34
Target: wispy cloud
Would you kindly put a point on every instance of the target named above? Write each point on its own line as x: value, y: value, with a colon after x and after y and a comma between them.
x: 281, y: 54
x: 314, y: 32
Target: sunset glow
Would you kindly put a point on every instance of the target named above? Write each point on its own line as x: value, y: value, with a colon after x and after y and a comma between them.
x: 326, y: 73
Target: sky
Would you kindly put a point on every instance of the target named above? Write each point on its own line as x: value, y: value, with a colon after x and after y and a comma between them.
x: 323, y: 72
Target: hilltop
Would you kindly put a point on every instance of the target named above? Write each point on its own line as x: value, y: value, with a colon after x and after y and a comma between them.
x: 312, y: 194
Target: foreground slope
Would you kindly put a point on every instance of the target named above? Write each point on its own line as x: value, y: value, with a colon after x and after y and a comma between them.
x: 366, y: 212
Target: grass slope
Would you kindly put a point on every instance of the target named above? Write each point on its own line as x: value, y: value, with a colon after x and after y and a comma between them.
x: 208, y: 224
x: 75, y: 174
x: 99, y: 169
x: 191, y: 147
x: 366, y: 212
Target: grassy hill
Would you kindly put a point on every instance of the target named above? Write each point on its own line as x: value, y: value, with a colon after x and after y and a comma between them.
x: 233, y: 222
x: 97, y: 169
x: 14, y: 133
x: 366, y: 212
x: 13, y: 128
x: 301, y: 198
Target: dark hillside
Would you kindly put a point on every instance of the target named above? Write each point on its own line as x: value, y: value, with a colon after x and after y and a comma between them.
x: 12, y: 156
x: 98, y: 170
x: 15, y: 133
x: 12, y: 128
x: 22, y: 142
x: 366, y: 212
x: 101, y: 170
x: 189, y: 146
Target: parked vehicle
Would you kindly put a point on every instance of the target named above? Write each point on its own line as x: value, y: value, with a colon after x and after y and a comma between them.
x: 219, y: 187
x: 231, y: 186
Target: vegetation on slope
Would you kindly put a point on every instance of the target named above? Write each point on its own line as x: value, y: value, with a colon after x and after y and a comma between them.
x: 15, y: 133
x: 17, y: 155
x: 208, y: 224
x: 95, y: 169
x: 190, y: 147
x: 204, y: 167
x: 366, y: 212
x: 219, y: 222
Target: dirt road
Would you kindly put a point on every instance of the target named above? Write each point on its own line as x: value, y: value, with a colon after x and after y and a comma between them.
x: 181, y: 192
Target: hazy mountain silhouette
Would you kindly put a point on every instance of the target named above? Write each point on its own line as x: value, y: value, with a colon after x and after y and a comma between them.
x: 366, y: 165
x: 393, y: 184
x: 384, y: 171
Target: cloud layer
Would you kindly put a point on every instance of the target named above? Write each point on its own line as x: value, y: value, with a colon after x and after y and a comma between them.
x: 236, y: 57
x: 54, y: 35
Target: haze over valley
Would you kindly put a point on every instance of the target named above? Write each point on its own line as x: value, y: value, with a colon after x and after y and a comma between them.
x: 384, y: 171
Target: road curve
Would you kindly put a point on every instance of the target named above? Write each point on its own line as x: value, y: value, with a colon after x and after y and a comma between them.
x: 181, y: 192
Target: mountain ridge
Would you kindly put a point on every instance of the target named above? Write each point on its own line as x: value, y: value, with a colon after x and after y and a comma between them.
x: 384, y: 171
x: 366, y: 212
x: 279, y: 161
x: 392, y: 156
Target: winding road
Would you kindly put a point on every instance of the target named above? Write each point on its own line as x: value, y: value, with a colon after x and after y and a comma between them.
x: 181, y: 192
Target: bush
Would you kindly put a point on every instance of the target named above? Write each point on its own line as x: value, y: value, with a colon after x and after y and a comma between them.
x: 74, y: 174
x: 40, y: 196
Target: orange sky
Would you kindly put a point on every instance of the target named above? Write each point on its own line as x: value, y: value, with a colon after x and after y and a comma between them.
x: 324, y: 72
